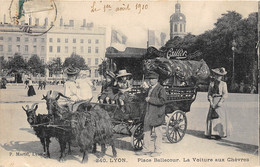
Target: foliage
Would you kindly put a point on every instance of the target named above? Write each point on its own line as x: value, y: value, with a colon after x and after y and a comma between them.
x: 3, y: 63
x: 216, y: 45
x: 75, y: 61
x: 35, y: 65
x: 55, y: 66
x: 17, y: 63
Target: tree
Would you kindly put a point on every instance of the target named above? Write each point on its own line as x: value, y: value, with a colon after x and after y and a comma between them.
x: 35, y: 65
x: 17, y: 66
x: 3, y: 63
x: 75, y: 61
x: 55, y: 66
x: 17, y: 63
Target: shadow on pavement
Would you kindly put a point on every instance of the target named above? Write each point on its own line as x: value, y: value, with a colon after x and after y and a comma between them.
x: 246, y: 148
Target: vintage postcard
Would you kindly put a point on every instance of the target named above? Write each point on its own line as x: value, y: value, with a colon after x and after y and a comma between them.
x: 129, y: 83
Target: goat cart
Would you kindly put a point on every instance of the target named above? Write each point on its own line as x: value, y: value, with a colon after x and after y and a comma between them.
x: 179, y: 97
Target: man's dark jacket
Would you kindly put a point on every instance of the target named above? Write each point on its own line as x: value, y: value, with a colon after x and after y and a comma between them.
x: 155, y: 111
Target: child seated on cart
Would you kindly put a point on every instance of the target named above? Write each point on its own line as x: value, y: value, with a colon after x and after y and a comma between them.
x: 124, y: 85
x: 108, y: 89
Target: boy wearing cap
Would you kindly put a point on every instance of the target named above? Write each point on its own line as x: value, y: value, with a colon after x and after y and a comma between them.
x: 154, y: 117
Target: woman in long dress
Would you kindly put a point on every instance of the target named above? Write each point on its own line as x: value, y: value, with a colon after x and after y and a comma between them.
x: 217, y: 93
x: 31, y: 90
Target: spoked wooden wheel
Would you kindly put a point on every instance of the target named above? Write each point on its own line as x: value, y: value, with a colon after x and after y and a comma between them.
x: 176, y: 126
x: 137, y: 138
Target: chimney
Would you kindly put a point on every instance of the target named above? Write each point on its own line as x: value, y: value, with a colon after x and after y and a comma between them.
x: 84, y: 23
x: 46, y: 21
x: 61, y: 21
x: 36, y: 21
x: 30, y: 20
x: 71, y: 23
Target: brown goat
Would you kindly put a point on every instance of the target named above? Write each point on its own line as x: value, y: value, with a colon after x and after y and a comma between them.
x: 92, y: 127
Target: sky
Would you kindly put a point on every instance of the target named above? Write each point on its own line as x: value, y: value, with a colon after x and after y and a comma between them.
x: 154, y: 15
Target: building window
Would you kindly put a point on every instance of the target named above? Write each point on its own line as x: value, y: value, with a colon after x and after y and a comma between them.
x: 74, y: 49
x: 1, y: 48
x: 175, y: 27
x: 58, y: 49
x: 9, y: 48
x: 34, y: 39
x: 96, y: 50
x: 184, y: 28
x: 1, y: 38
x: 96, y: 73
x: 26, y: 49
x: 34, y: 49
x: 82, y: 49
x: 58, y: 40
x: 97, y: 41
x: 50, y: 48
x: 18, y: 48
x: 66, y: 49
x: 89, y: 49
x: 96, y: 61
x: 26, y: 39
x: 89, y: 41
x: 180, y: 27
x: 50, y: 39
x: 74, y: 40
x: 42, y: 39
x: 42, y: 48
x: 18, y: 39
x: 89, y: 61
x: 82, y: 41
x: 9, y: 39
x: 66, y: 40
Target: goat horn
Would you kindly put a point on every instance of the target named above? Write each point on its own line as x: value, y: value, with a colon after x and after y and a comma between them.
x: 24, y: 109
x: 34, y: 105
x: 48, y: 94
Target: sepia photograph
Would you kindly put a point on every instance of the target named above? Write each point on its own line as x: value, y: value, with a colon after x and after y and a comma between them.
x: 129, y: 83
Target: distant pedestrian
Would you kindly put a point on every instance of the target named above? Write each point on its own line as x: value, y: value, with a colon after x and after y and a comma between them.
x: 3, y: 83
x: 44, y: 84
x: 26, y: 83
x: 40, y: 85
x: 216, y: 124
x: 31, y: 90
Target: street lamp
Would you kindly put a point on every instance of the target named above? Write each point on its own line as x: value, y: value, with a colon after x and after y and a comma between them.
x: 234, y: 44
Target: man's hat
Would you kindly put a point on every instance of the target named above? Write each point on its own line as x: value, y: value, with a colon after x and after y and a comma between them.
x: 111, y: 74
x: 122, y: 73
x: 152, y: 75
x: 220, y: 71
x: 71, y: 70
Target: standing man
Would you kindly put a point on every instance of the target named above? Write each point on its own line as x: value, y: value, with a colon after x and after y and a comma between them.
x: 154, y: 117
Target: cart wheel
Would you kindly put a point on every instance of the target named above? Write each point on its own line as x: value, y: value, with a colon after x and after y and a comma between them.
x: 137, y: 138
x: 176, y: 126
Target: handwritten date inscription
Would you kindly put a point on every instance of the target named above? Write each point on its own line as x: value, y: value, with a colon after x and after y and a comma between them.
x: 100, y: 7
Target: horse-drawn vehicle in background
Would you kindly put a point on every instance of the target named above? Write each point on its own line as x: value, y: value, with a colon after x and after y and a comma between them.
x: 178, y: 76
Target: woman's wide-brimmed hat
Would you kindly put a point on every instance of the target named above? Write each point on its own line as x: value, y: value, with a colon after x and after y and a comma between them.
x: 122, y: 73
x: 220, y: 71
x: 111, y: 74
x: 71, y: 70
